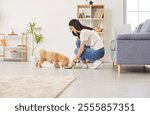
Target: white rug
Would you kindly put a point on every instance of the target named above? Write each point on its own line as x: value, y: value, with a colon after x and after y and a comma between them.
x: 33, y: 86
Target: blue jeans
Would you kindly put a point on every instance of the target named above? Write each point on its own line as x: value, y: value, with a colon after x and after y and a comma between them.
x: 88, y: 53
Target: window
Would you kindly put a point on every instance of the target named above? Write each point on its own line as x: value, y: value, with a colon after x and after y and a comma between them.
x: 136, y: 12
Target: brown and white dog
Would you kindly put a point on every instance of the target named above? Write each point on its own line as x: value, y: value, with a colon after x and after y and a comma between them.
x: 58, y: 60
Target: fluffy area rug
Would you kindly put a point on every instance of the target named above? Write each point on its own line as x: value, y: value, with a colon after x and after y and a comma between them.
x: 33, y: 86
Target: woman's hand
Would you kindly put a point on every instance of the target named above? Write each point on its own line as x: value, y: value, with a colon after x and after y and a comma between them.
x: 80, y: 51
x: 74, y: 63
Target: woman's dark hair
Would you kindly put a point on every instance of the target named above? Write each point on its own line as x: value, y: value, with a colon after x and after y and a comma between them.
x: 78, y: 26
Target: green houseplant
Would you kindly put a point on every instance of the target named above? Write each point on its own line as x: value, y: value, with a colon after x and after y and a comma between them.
x: 33, y: 30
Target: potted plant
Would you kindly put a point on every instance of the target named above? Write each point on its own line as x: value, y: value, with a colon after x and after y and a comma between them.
x: 33, y: 30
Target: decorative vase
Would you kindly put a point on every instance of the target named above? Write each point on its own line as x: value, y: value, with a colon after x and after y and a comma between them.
x: 32, y: 59
x: 90, y: 2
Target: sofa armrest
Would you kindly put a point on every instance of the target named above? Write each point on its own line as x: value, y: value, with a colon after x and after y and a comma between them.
x: 134, y: 36
x: 113, y: 41
x: 113, y: 45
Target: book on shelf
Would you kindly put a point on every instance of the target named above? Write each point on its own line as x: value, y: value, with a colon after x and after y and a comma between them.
x: 3, y: 42
x: 99, y: 14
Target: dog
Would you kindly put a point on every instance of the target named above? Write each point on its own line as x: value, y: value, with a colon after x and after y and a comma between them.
x: 58, y: 60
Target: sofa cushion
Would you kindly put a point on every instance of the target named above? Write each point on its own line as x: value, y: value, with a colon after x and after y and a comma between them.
x: 145, y: 27
x: 134, y: 36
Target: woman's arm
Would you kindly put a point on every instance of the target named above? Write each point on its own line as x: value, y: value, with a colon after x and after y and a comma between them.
x: 80, y: 51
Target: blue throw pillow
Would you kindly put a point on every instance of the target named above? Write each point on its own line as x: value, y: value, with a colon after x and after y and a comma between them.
x: 137, y: 29
x: 145, y: 27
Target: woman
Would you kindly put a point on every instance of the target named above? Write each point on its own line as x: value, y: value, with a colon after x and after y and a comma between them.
x: 89, y: 45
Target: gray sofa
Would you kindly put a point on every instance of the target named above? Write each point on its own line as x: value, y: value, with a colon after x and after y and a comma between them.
x: 132, y: 48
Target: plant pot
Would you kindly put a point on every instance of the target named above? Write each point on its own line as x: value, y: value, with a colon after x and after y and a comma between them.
x: 32, y: 59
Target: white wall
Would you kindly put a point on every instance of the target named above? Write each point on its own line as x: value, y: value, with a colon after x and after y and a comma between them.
x: 113, y: 17
x: 53, y: 17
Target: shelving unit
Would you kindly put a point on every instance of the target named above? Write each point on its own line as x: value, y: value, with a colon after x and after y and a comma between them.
x: 2, y: 45
x: 92, y: 16
x: 15, y: 48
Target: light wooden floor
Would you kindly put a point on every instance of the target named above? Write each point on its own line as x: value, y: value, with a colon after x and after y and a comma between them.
x: 102, y: 83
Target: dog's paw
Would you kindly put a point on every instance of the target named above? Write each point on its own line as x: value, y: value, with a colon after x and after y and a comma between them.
x: 36, y: 65
x: 40, y: 66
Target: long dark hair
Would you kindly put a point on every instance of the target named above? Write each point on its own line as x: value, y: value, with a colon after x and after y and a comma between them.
x: 78, y: 26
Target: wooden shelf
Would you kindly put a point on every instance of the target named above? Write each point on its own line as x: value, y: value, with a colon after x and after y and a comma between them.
x: 9, y: 47
x: 88, y: 19
x: 84, y: 6
x: 18, y: 43
x: 89, y: 6
x: 93, y: 16
x: 98, y: 6
x: 14, y: 59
